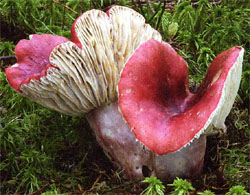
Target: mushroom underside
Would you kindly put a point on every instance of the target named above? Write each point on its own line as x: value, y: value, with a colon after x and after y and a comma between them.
x: 74, y: 77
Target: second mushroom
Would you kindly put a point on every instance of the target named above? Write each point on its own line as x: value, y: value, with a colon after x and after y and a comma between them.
x: 133, y: 89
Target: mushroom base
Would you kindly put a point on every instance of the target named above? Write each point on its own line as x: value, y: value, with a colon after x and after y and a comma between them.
x: 120, y: 145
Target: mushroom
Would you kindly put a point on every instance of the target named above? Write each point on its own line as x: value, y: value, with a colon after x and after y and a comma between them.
x: 159, y: 128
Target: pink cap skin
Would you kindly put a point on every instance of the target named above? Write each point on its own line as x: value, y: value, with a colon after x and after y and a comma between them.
x: 32, y: 59
x: 155, y: 100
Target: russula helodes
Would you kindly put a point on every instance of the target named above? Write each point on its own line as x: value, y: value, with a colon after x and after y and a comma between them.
x: 151, y: 125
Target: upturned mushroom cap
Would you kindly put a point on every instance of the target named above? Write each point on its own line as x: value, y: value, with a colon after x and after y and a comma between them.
x: 155, y: 100
x: 73, y: 77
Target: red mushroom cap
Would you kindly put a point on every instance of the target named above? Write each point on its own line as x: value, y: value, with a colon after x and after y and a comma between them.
x: 33, y: 59
x: 155, y: 100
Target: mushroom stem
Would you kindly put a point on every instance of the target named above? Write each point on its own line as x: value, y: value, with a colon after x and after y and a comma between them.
x: 121, y: 146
